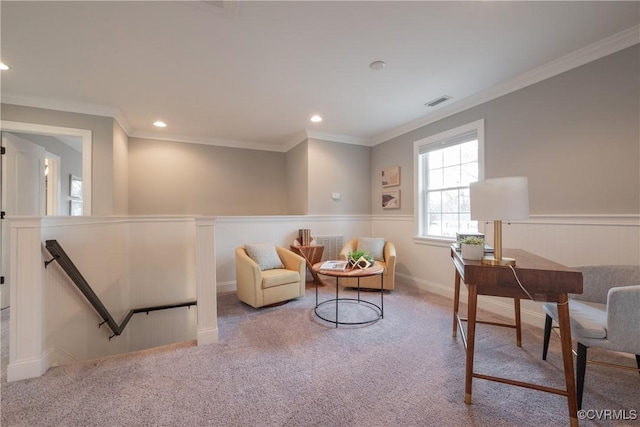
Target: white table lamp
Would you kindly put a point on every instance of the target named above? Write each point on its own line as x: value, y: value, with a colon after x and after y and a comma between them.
x: 497, y: 200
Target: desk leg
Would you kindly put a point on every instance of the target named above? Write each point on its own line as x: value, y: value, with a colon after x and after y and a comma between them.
x: 567, y: 358
x: 456, y: 303
x: 471, y: 338
x: 516, y: 306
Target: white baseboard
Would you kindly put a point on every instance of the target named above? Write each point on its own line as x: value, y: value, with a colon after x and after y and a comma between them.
x: 499, y: 306
x: 229, y: 286
x: 207, y: 336
x: 25, y: 369
x: 55, y: 356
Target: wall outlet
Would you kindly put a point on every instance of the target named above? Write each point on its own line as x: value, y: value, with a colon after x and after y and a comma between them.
x: 335, y: 196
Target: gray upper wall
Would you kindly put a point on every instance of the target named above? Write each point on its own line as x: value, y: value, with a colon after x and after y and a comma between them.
x: 170, y: 178
x: 297, y: 179
x: 339, y: 168
x: 173, y: 178
x: 120, y: 170
x: 576, y: 136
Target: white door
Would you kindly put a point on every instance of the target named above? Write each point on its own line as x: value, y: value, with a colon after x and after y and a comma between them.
x: 23, y: 190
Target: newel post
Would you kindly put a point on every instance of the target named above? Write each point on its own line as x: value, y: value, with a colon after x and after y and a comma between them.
x: 26, y: 264
x: 207, y: 331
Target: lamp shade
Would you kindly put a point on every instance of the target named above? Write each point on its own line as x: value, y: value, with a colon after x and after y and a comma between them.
x: 500, y: 199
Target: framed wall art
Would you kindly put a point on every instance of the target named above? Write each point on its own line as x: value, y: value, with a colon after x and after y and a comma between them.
x: 391, y: 176
x: 75, y: 186
x: 75, y: 207
x: 391, y: 199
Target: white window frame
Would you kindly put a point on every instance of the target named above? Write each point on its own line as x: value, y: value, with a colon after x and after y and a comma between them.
x: 418, y: 202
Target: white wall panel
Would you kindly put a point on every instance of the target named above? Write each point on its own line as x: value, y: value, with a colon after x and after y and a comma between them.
x: 128, y: 262
x: 98, y: 248
x: 161, y: 266
x: 161, y: 271
x: 232, y: 232
x: 568, y: 240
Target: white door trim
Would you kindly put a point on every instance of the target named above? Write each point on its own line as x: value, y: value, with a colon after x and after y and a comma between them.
x: 84, y: 134
x: 54, y: 203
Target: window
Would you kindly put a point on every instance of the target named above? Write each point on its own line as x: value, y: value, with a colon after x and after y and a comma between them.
x: 445, y: 165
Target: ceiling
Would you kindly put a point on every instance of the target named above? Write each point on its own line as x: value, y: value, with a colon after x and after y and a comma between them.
x: 251, y: 74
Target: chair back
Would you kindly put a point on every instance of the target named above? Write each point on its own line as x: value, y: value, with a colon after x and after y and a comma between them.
x: 623, y: 319
x: 598, y: 279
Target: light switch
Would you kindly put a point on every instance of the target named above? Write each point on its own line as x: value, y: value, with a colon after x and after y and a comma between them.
x: 335, y: 196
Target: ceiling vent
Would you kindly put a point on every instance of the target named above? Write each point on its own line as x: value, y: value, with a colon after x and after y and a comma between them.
x: 438, y: 101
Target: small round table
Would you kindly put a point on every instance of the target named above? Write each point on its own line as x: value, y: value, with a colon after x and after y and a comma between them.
x: 376, y: 269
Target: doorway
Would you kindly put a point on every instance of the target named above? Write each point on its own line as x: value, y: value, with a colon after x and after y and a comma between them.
x: 41, y: 196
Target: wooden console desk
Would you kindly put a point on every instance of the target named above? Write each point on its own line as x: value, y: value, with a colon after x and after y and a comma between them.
x: 545, y: 280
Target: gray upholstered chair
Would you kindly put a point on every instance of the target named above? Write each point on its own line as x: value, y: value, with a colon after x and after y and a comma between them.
x: 606, y: 315
x: 383, y: 251
x: 268, y: 275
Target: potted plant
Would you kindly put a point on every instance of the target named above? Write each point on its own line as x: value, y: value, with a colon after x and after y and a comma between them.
x: 355, y: 256
x: 472, y: 248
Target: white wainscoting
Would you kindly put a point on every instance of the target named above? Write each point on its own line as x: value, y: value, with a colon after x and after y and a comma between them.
x: 154, y: 260
x: 161, y: 270
x: 569, y: 240
x: 130, y: 262
x: 235, y: 231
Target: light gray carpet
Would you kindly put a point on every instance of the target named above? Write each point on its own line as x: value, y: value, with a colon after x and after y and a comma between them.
x: 282, y: 366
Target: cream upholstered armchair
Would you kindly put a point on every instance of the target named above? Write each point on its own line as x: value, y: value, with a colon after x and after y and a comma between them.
x: 383, y: 251
x: 606, y: 315
x: 268, y: 274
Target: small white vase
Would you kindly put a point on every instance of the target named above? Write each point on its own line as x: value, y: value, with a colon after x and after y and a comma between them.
x: 472, y: 252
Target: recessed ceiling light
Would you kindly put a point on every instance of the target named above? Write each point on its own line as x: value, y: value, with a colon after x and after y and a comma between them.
x: 3, y: 66
x: 316, y: 119
x: 160, y: 124
x: 377, y: 65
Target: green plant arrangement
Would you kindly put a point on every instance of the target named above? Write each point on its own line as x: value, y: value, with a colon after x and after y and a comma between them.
x: 360, y: 259
x: 472, y: 247
x: 472, y: 240
x: 359, y: 253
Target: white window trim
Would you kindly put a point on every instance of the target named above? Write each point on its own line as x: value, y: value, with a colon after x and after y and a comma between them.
x: 439, y: 138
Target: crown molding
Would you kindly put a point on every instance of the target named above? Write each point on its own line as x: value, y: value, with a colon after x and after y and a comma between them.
x: 594, y: 51
x: 69, y: 107
x: 345, y: 139
x: 116, y: 114
x: 230, y: 143
x: 295, y: 140
x: 306, y: 134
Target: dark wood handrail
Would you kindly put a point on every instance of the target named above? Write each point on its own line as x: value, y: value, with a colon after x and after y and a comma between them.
x: 81, y: 283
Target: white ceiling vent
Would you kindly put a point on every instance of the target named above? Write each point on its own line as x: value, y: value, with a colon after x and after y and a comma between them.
x: 437, y: 101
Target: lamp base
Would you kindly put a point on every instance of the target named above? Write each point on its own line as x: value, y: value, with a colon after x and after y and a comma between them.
x: 489, y: 260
